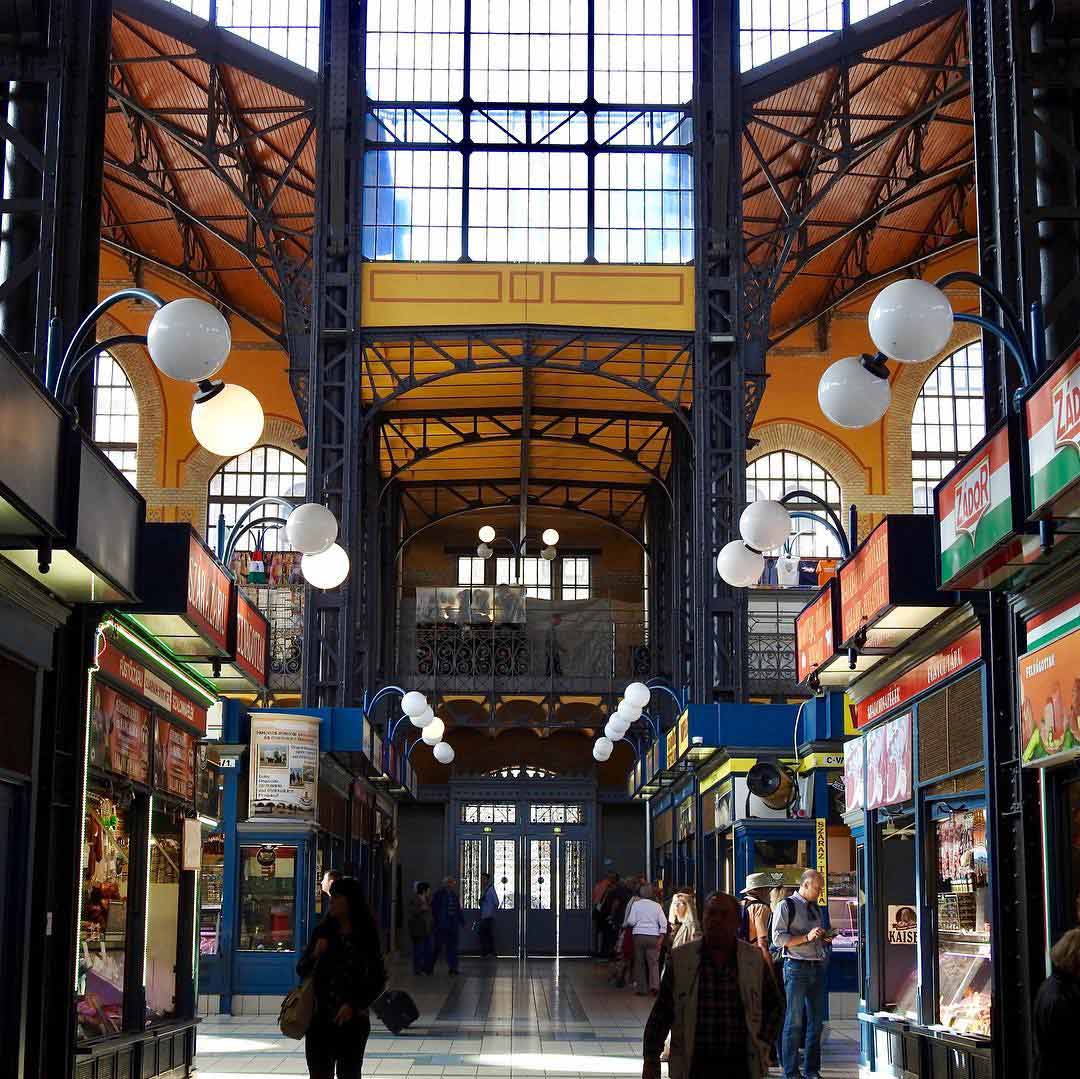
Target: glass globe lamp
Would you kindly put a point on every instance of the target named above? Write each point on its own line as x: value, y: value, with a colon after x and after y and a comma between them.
x: 444, y: 753
x: 486, y: 534
x: 227, y: 419
x: 434, y: 731
x: 311, y: 528
x: 851, y: 395
x: 326, y: 570
x: 738, y: 565
x: 910, y: 320
x: 550, y: 537
x: 765, y: 524
x: 188, y: 339
x: 637, y: 694
x: 414, y: 703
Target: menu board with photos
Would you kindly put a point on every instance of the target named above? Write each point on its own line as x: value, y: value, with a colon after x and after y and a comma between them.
x: 119, y: 733
x: 174, y: 761
x: 284, y: 768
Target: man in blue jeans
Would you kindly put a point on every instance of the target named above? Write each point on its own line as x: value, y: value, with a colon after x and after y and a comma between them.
x: 800, y: 930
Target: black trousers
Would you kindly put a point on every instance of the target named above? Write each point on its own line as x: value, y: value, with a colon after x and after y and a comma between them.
x: 487, y: 936
x: 328, y: 1046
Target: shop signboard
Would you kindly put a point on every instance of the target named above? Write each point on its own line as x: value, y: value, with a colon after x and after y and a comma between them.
x: 816, y: 638
x: 854, y: 774
x: 953, y: 658
x: 251, y: 647
x: 283, y: 778
x: 1052, y: 428
x: 888, y: 588
x: 138, y: 677
x: 671, y: 746
x: 980, y: 521
x: 654, y: 759
x: 119, y: 733
x: 1049, y: 681
x: 724, y: 808
x: 174, y: 760
x: 683, y: 728
x: 186, y: 593
x: 903, y: 925
x: 888, y: 763
x: 821, y: 855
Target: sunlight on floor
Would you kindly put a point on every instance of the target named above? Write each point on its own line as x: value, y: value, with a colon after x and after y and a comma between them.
x: 577, y: 1063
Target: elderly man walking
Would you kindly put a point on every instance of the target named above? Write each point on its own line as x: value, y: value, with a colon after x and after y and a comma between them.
x: 799, y: 928
x: 719, y: 1002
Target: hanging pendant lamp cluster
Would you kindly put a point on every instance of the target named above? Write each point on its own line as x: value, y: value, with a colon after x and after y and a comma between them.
x: 415, y: 705
x: 634, y: 699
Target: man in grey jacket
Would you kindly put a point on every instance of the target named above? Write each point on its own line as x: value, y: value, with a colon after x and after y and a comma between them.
x: 800, y: 930
x: 718, y: 1000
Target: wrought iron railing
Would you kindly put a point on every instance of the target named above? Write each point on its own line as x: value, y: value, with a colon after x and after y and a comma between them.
x: 770, y: 637
x: 274, y: 584
x: 590, y: 646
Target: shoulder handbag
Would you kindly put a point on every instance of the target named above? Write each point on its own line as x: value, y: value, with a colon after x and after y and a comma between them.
x: 298, y: 1009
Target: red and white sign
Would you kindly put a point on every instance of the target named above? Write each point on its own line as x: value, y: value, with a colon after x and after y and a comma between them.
x: 252, y: 639
x: 208, y: 594
x: 941, y: 665
x: 888, y: 763
x: 815, y: 634
x: 854, y: 774
x: 864, y: 583
x: 131, y: 673
x: 1066, y: 399
x: 971, y: 496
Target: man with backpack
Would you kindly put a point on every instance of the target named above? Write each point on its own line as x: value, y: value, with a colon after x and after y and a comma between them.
x: 756, y: 926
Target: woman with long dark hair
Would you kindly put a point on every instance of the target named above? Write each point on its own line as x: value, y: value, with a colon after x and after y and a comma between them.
x: 347, y: 962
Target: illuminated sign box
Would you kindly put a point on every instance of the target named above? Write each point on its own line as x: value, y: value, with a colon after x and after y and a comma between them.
x: 888, y: 591
x: 817, y: 643
x: 187, y: 599
x: 1049, y: 716
x: 978, y: 508
x: 1052, y: 434
x: 247, y: 666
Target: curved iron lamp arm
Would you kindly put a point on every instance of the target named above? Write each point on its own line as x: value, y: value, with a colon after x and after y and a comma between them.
x: 68, y: 379
x: 239, y: 524
x: 238, y: 533
x: 833, y: 522
x: 968, y: 277
x: 54, y: 372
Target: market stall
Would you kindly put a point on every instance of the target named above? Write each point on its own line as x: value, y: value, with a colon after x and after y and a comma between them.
x: 135, y: 991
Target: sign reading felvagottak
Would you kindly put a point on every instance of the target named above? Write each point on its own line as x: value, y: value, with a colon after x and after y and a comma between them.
x: 283, y: 775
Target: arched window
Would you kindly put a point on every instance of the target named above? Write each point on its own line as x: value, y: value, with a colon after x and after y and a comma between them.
x: 949, y: 418
x: 775, y: 475
x: 263, y: 471
x: 115, y: 422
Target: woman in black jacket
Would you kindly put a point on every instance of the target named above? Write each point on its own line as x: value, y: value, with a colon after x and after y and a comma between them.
x: 1057, y: 1011
x: 345, y: 956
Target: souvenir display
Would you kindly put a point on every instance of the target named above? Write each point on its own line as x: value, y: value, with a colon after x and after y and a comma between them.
x: 103, y: 919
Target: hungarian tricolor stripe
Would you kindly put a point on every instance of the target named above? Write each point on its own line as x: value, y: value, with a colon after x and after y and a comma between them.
x: 1053, y: 432
x: 1054, y: 622
x: 974, y: 507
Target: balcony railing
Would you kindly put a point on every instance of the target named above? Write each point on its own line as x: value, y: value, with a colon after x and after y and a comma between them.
x: 277, y: 588
x: 770, y: 640
x: 457, y: 641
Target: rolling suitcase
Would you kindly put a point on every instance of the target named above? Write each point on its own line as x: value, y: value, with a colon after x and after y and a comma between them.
x: 396, y: 1009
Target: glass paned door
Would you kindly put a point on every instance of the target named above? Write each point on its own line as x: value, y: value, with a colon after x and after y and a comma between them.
x: 499, y: 858
x: 542, y: 917
x: 575, y: 918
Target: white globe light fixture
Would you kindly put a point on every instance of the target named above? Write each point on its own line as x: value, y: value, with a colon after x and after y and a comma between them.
x: 189, y: 340
x: 414, y: 703
x: 433, y: 732
x: 602, y: 748
x: 486, y: 534
x: 550, y: 537
x: 422, y: 720
x: 484, y: 551
x: 311, y: 528
x: 227, y: 419
x: 852, y: 394
x: 765, y: 524
x: 326, y: 570
x: 614, y: 730
x: 739, y: 566
x: 548, y: 553
x: 444, y: 753
x: 628, y: 713
x: 910, y: 320
x: 637, y: 694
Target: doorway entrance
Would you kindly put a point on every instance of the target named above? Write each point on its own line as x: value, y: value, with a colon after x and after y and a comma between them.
x: 537, y: 841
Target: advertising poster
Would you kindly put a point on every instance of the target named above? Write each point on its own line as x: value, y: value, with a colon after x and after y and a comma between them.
x: 854, y: 779
x: 1049, y: 680
x: 174, y: 761
x: 903, y: 925
x: 284, y: 769
x: 119, y: 734
x: 888, y: 763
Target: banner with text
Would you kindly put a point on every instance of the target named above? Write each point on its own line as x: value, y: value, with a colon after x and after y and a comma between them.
x: 283, y: 774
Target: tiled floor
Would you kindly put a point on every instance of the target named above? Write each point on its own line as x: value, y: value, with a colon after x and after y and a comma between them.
x: 504, y: 1019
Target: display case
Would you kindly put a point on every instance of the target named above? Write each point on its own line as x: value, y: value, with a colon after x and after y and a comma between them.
x: 962, y: 925
x: 268, y: 898
x: 211, y: 888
